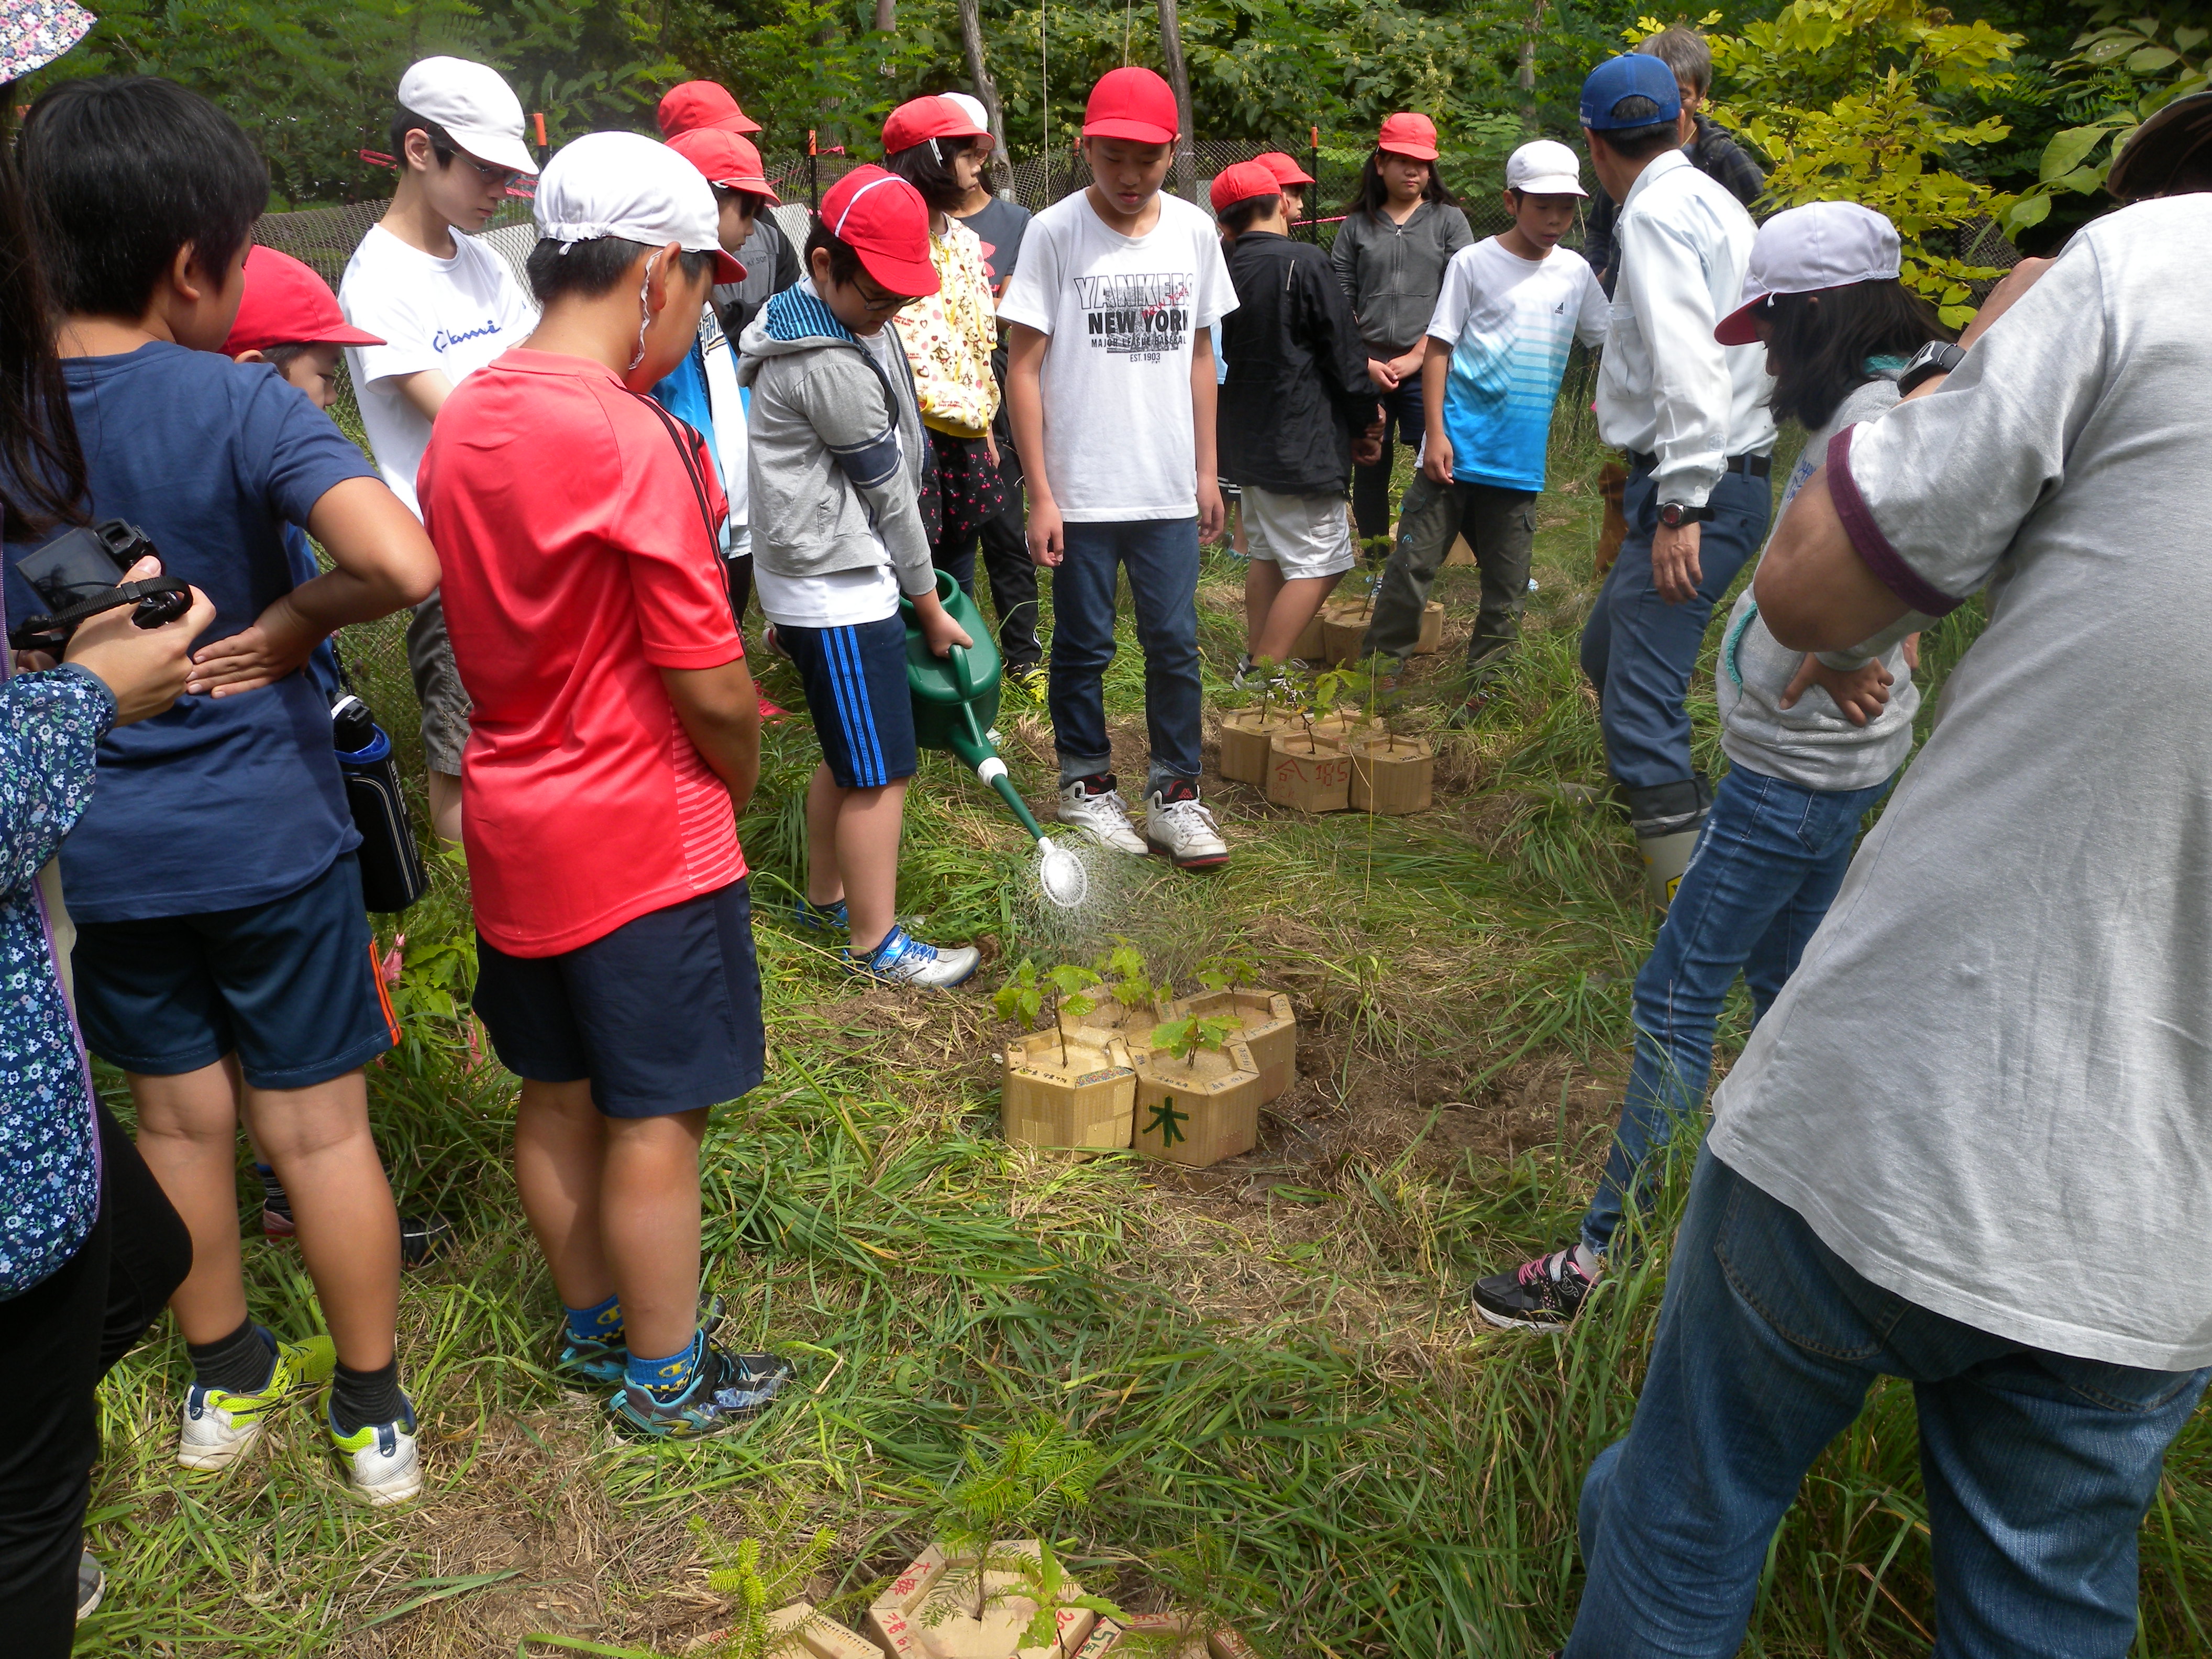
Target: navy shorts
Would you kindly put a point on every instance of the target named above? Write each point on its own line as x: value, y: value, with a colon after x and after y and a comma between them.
x: 289, y: 985
x: 663, y: 1015
x: 855, y: 681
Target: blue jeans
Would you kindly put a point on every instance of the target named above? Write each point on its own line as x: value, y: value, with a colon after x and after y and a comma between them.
x: 1162, y: 556
x: 1638, y: 651
x: 2038, y: 1466
x: 1766, y: 870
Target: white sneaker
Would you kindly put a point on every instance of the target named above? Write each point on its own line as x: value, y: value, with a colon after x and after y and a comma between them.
x: 903, y: 959
x: 1184, y: 830
x: 1094, y: 806
x: 221, y: 1427
x: 383, y: 1464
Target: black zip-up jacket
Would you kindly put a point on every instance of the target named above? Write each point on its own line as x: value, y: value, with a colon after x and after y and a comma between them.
x: 1297, y: 389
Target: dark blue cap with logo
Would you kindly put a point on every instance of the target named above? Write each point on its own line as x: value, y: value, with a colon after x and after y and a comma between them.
x: 1632, y: 75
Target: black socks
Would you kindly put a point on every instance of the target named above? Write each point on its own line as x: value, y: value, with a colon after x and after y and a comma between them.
x: 242, y: 1363
x: 361, y: 1398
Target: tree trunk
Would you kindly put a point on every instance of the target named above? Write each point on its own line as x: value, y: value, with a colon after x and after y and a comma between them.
x: 986, y: 89
x: 1528, y: 76
x: 887, y: 16
x: 1186, y: 156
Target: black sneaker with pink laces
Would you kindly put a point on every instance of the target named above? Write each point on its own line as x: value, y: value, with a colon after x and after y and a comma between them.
x: 1543, y: 1295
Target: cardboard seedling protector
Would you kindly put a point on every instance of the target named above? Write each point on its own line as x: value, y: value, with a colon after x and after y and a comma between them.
x: 1142, y: 1632
x: 1080, y: 1105
x: 1309, y: 773
x: 1461, y: 553
x: 1392, y: 775
x: 1109, y: 1022
x: 1271, y: 1030
x: 1432, y: 637
x: 798, y: 1631
x: 1344, y: 625
x: 1244, y: 735
x: 1199, y: 1111
x: 1343, y: 726
x: 929, y: 1613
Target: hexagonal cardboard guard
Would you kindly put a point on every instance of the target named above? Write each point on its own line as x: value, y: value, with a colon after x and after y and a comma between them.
x: 1081, y: 1105
x: 1200, y: 1110
x: 926, y: 1613
x: 798, y: 1631
x: 1271, y: 1030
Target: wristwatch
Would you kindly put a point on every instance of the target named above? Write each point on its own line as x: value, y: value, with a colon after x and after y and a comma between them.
x: 1936, y: 357
x: 1675, y: 515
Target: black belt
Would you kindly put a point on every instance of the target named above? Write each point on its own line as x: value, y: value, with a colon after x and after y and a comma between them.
x: 1752, y: 466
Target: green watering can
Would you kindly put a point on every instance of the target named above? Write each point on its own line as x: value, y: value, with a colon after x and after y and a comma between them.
x: 956, y: 701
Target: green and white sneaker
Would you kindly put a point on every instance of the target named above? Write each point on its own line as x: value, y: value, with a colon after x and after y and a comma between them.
x: 221, y: 1427
x: 383, y: 1464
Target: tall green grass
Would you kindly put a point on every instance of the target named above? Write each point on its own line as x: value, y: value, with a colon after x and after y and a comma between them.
x: 1304, y: 1430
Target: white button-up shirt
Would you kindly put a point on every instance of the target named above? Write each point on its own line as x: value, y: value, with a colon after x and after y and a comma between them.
x: 1667, y: 387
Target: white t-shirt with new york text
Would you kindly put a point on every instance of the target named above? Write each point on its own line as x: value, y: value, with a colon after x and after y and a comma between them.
x: 451, y: 315
x: 1121, y: 312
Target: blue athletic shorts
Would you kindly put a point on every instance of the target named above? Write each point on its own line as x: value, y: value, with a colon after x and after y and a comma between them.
x: 855, y: 681
x: 290, y: 985
x: 663, y: 1015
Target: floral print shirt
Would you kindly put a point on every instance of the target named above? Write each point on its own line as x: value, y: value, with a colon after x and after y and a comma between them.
x: 948, y: 338
x: 50, y: 724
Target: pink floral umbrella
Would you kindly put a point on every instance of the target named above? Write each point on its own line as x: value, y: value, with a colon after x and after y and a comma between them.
x: 33, y: 32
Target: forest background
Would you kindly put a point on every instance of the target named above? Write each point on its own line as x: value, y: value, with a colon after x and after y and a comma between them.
x: 2002, y: 108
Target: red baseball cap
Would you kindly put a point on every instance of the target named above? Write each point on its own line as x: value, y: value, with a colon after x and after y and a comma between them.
x: 1241, y: 182
x: 728, y: 159
x: 1408, y: 134
x: 1286, y: 171
x: 921, y: 119
x: 286, y: 303
x: 882, y: 218
x: 702, y: 103
x: 1132, y: 103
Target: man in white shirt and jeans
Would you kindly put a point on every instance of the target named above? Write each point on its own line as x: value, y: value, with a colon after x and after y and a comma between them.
x: 446, y: 305
x: 1692, y: 414
x: 1966, y: 1146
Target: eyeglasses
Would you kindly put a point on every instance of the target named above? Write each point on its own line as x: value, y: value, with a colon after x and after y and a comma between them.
x: 878, y: 303
x: 497, y: 178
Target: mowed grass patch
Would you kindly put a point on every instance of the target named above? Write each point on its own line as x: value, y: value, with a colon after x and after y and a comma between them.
x: 1304, y: 1430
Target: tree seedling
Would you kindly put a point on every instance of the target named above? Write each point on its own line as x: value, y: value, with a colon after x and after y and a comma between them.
x: 1042, y: 1473
x: 757, y: 1583
x: 1125, y: 975
x: 1183, y: 1038
x: 1065, y: 989
x: 1226, y: 973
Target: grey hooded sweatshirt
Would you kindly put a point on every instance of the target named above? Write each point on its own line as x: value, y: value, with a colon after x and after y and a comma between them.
x: 1812, y: 744
x: 836, y: 447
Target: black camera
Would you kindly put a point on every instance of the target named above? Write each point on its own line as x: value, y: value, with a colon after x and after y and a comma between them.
x: 75, y: 573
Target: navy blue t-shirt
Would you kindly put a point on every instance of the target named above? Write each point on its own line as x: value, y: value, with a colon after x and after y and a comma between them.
x: 220, y: 802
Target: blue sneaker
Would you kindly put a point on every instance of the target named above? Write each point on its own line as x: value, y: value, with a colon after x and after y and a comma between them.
x: 601, y: 1364
x: 822, y: 918
x: 903, y: 959
x: 726, y: 1390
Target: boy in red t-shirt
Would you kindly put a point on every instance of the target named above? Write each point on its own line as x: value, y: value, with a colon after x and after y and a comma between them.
x: 615, y: 739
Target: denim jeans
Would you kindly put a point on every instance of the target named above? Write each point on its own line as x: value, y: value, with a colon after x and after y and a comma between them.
x: 1766, y: 869
x: 2038, y: 1466
x: 1638, y: 651
x: 1161, y: 557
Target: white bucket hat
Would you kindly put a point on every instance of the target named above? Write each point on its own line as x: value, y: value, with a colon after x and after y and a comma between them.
x: 622, y: 184
x: 1805, y: 249
x: 477, y: 109
x: 1543, y: 167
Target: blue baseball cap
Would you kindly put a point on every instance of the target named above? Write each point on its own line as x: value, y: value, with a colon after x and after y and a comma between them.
x: 1632, y: 75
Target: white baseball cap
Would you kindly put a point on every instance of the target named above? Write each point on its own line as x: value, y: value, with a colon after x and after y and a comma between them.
x: 1805, y: 249
x: 476, y: 108
x: 622, y: 184
x: 1543, y: 167
x: 972, y: 107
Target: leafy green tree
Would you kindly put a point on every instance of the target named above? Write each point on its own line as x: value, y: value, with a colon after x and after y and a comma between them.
x: 2126, y: 68
x: 1873, y: 101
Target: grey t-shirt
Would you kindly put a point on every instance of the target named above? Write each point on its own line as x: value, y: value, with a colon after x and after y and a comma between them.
x: 1988, y: 1085
x: 1811, y: 743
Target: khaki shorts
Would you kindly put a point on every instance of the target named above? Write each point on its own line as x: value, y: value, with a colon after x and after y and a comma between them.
x: 437, y: 687
x: 1302, y: 536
